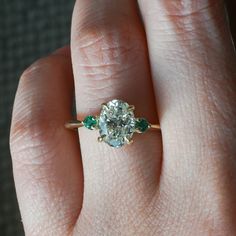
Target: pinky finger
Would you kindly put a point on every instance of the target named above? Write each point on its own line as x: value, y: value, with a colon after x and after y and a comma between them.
x: 46, y: 157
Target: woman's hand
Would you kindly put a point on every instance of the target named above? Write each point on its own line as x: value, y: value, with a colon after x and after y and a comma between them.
x: 175, y: 61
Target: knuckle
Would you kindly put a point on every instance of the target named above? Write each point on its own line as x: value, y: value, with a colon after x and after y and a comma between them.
x: 30, y: 138
x: 107, y: 55
x: 40, y: 66
x: 106, y: 46
x: 34, y: 125
x: 185, y: 8
x: 105, y: 35
x: 190, y: 21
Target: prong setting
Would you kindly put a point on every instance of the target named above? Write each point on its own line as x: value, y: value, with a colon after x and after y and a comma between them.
x: 128, y: 141
x: 101, y: 138
x: 131, y: 108
x: 104, y: 106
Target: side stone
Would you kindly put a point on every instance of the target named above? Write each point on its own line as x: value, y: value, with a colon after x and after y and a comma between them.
x: 142, y: 125
x: 90, y: 122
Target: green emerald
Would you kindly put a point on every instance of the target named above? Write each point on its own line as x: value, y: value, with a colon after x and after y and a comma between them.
x: 90, y: 122
x: 141, y: 125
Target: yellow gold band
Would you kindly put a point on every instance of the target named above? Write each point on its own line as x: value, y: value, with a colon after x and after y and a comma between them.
x: 75, y: 124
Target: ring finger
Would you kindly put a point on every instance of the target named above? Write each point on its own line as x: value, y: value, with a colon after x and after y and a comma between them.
x: 109, y: 58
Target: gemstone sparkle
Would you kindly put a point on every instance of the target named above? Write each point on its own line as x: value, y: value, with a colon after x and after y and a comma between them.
x: 116, y: 123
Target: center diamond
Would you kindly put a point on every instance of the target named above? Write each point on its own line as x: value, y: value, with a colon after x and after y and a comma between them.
x: 116, y: 123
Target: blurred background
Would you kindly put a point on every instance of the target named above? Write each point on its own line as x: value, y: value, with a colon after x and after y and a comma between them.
x: 29, y: 30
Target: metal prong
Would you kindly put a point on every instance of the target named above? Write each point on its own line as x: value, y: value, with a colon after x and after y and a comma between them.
x: 138, y: 131
x: 104, y: 105
x: 131, y: 108
x: 128, y: 141
x: 101, y: 138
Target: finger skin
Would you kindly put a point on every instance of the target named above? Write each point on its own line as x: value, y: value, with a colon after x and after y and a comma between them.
x: 193, y: 67
x: 109, y: 57
x: 46, y: 157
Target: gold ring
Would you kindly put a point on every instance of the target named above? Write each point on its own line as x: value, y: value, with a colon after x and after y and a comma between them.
x: 116, y: 123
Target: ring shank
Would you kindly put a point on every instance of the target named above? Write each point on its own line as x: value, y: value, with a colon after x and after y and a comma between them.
x: 75, y: 124
x: 155, y: 127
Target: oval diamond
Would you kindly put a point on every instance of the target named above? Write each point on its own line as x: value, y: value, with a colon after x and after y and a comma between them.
x: 116, y: 123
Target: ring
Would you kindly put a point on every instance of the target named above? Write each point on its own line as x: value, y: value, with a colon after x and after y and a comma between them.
x: 116, y: 123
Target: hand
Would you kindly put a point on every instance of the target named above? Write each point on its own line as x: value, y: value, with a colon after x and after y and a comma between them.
x: 176, y: 65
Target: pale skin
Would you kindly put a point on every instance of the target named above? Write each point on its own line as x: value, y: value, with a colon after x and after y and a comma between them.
x: 175, y: 61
